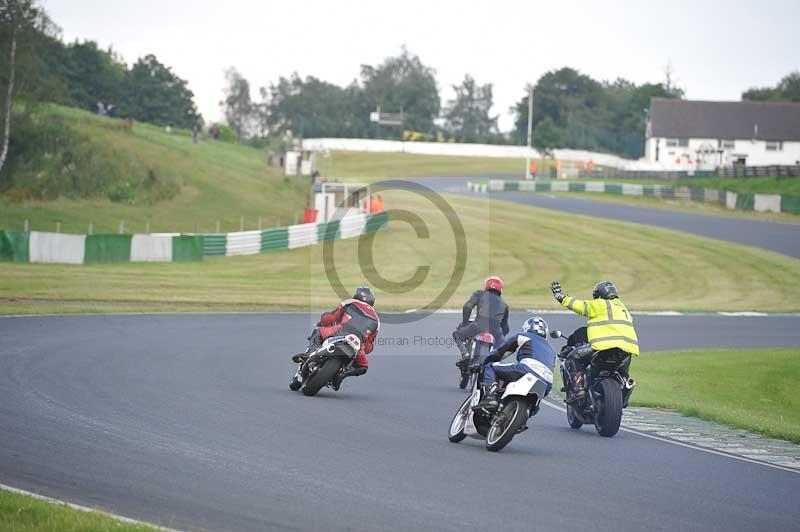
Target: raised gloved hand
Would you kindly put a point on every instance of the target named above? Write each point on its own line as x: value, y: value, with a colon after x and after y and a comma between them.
x: 558, y: 292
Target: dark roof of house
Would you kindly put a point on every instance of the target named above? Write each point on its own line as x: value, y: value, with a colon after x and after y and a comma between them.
x: 725, y: 120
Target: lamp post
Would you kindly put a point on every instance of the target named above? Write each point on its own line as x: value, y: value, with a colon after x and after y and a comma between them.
x: 530, y: 130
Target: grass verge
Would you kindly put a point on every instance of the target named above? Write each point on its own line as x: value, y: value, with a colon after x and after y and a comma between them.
x: 752, y: 389
x: 22, y: 513
x: 217, y: 181
x: 656, y: 269
x: 368, y: 167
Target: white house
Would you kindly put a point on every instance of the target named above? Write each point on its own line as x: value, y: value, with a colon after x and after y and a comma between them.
x: 683, y: 134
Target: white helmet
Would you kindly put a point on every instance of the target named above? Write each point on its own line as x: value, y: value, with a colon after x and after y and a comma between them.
x: 537, y: 325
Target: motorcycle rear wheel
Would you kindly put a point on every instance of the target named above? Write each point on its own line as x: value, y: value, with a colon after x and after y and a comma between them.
x: 322, y: 377
x: 609, y: 416
x: 514, y: 413
x: 456, y: 433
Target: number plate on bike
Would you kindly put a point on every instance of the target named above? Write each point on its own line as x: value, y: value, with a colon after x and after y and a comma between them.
x: 354, y: 341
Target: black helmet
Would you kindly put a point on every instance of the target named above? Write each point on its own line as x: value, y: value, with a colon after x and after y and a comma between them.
x: 365, y: 294
x: 605, y: 290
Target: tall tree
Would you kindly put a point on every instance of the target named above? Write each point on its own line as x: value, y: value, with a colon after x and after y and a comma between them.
x: 403, y: 83
x: 788, y: 89
x: 94, y: 75
x: 468, y: 116
x: 312, y: 108
x: 238, y: 106
x: 21, y: 21
x: 153, y: 93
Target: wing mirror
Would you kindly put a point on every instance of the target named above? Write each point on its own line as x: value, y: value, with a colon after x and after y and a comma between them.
x: 556, y: 334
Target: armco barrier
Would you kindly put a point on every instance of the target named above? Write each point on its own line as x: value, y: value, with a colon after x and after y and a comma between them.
x: 352, y: 226
x: 64, y: 248
x: 328, y: 231
x: 214, y: 243
x: 276, y: 239
x: 187, y: 248
x: 106, y: 249
x: 13, y: 246
x: 741, y: 201
x: 302, y: 235
x: 243, y: 243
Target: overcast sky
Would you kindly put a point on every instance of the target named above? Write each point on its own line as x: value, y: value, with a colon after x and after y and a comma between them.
x: 717, y: 48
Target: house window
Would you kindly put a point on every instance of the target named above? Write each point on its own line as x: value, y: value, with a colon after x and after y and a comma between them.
x: 672, y: 143
x: 774, y: 146
x: 683, y: 143
x: 727, y: 144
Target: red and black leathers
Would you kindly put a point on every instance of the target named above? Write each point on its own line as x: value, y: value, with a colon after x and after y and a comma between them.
x: 352, y: 317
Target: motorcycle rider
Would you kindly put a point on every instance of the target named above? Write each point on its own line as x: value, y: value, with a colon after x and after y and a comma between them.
x: 609, y: 325
x: 352, y: 316
x: 491, y: 316
x: 534, y: 355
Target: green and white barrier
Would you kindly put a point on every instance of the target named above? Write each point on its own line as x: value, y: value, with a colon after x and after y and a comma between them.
x: 64, y: 248
x: 292, y: 237
x: 732, y: 200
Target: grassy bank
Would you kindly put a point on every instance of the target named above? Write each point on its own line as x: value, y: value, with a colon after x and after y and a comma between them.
x: 752, y: 389
x: 216, y: 182
x: 21, y: 513
x: 371, y: 166
x: 657, y: 269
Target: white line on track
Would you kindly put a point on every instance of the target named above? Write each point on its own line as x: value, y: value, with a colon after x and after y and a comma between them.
x: 84, y: 508
x: 689, y: 446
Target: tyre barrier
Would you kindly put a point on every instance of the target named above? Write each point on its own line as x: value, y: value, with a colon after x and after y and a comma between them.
x: 732, y: 200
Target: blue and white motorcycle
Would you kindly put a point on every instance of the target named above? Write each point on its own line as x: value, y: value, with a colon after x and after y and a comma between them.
x: 519, y: 401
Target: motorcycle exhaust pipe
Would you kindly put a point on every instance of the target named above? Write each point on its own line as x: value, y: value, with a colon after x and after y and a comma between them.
x: 630, y: 383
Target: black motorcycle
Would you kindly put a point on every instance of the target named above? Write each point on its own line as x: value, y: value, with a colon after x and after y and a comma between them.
x: 478, y: 348
x: 318, y: 368
x: 606, y: 388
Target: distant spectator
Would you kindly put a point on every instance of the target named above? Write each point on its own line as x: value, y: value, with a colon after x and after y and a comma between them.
x: 195, y: 133
x: 376, y: 205
x: 214, y: 132
x: 270, y: 157
x: 111, y: 110
x: 314, y: 177
x: 101, y: 109
x: 282, y: 158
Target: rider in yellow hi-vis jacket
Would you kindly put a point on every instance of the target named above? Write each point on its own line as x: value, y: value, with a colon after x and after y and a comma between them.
x: 609, y: 325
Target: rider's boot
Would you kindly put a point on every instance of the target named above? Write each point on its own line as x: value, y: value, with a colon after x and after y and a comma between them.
x: 578, y: 391
x: 462, y: 348
x: 297, y: 381
x: 314, y: 341
x: 342, y: 375
x: 489, y: 402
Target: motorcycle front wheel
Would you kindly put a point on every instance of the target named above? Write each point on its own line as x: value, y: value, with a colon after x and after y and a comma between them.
x: 456, y: 433
x: 506, y: 424
x: 322, y: 377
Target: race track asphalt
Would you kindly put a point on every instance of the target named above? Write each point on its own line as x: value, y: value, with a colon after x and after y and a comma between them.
x: 186, y: 421
x: 775, y: 236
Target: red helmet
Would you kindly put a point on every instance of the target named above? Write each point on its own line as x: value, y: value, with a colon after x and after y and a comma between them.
x: 493, y: 283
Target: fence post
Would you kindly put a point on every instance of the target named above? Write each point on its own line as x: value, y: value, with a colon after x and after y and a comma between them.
x: 122, y: 227
x: 197, y: 227
x: 147, y: 228
x: 91, y: 228
x: 58, y: 227
x: 27, y: 226
x: 259, y: 223
x: 241, y: 223
x: 217, y: 226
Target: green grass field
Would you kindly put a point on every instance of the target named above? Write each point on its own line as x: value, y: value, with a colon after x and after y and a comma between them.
x: 367, y: 167
x: 752, y: 389
x: 219, y: 182
x: 656, y: 269
x: 21, y: 513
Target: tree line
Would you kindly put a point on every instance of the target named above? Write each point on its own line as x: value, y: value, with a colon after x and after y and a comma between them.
x: 570, y: 109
